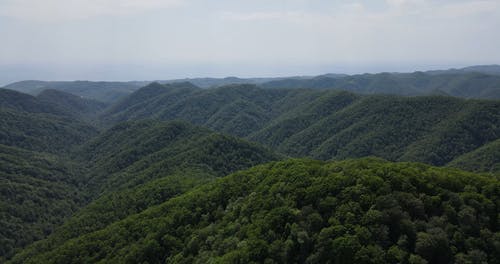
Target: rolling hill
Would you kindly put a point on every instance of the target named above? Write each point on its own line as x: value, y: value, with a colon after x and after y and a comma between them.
x: 325, y: 124
x: 304, y: 211
x: 175, y: 173
x: 34, y: 124
x: 480, y: 81
x: 123, y: 171
x: 485, y: 158
x: 106, y: 92
x: 80, y: 108
x: 17, y: 101
x: 37, y: 193
x: 150, y: 148
x: 466, y: 84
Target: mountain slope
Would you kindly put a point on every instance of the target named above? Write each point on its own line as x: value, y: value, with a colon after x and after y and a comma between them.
x: 426, y: 129
x: 101, y: 91
x: 42, y: 132
x: 493, y: 69
x: 367, y: 211
x: 461, y: 84
x: 137, y: 165
x: 37, y: 192
x: 76, y: 106
x: 120, y: 155
x: 326, y: 124
x: 17, y: 101
x: 485, y: 158
x: 34, y: 124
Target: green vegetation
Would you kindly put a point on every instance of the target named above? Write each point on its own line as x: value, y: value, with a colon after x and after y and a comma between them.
x: 83, y: 181
x: 485, y: 158
x: 136, y: 165
x: 303, y: 211
x: 133, y: 153
x: 34, y: 124
x: 37, y: 192
x: 325, y: 124
x: 76, y: 106
x: 42, y: 132
x: 467, y: 83
x: 107, y: 92
x: 471, y: 82
x: 21, y: 102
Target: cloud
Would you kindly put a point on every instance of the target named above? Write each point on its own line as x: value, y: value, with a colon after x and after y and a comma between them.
x: 396, y: 30
x: 260, y: 16
x: 468, y: 8
x: 54, y: 10
x: 358, y: 13
x: 405, y: 3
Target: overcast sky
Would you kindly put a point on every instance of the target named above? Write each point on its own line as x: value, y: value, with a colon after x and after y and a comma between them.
x: 162, y: 39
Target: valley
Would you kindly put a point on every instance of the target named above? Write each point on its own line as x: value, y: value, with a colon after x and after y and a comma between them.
x: 288, y: 170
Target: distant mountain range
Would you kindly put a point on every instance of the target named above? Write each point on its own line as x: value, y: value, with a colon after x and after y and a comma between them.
x: 470, y: 82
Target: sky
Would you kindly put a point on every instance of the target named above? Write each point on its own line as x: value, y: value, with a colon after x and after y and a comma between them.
x: 165, y: 39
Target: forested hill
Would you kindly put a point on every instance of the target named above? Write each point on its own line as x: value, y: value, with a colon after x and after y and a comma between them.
x: 325, y: 124
x: 37, y: 193
x: 303, y: 211
x: 132, y: 153
x: 467, y: 84
x: 173, y: 173
x: 34, y: 124
x: 129, y: 167
x: 73, y: 105
x: 482, y: 81
x: 17, y: 101
x: 485, y: 158
x: 101, y: 91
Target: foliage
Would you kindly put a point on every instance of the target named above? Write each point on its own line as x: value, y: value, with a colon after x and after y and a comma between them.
x: 325, y: 124
x: 42, y: 132
x: 37, y: 192
x: 136, y: 165
x: 467, y: 84
x: 39, y: 125
x: 79, y: 107
x: 367, y: 211
x: 147, y: 191
x: 107, y: 92
x: 485, y: 158
x: 132, y: 153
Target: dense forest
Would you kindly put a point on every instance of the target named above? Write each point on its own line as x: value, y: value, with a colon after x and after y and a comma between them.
x: 37, y: 192
x: 467, y: 84
x: 247, y: 171
x: 304, y: 211
x: 35, y: 124
x: 325, y: 124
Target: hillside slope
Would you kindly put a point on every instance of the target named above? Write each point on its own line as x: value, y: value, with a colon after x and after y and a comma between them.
x: 485, y: 158
x: 17, y: 101
x: 42, y: 132
x: 303, y: 211
x: 101, y: 91
x: 37, y: 192
x: 81, y: 108
x: 34, y: 124
x: 121, y: 155
x: 325, y: 124
x: 136, y: 165
x: 467, y: 84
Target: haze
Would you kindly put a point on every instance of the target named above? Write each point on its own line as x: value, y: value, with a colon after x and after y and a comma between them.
x: 153, y: 39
